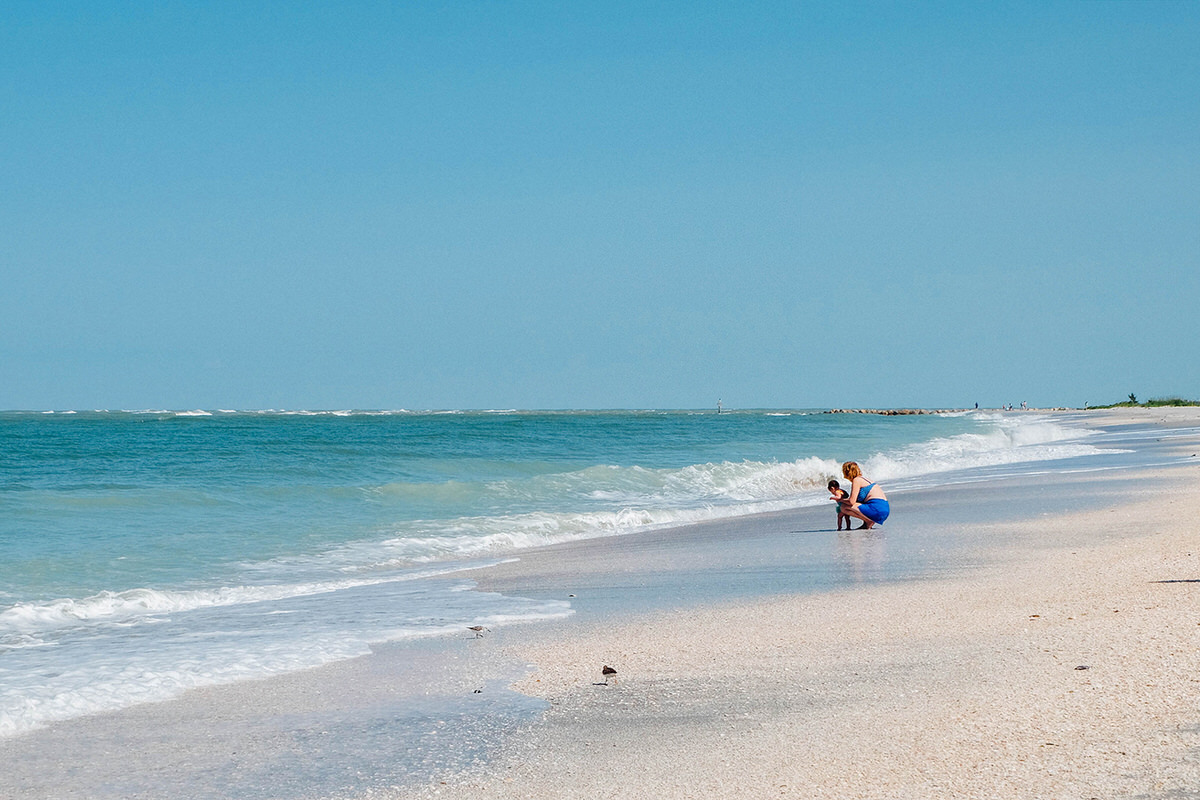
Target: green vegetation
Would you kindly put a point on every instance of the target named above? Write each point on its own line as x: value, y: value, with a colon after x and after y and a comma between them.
x: 1170, y: 401
x: 1153, y: 402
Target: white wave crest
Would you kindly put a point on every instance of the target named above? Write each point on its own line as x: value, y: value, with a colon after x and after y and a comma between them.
x: 1009, y: 441
x: 31, y: 618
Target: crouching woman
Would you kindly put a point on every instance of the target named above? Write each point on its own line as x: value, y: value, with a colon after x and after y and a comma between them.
x: 866, y: 501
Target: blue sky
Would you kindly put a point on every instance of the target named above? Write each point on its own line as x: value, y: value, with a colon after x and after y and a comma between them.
x: 576, y: 205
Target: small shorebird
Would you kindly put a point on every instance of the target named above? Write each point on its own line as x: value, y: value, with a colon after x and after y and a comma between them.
x: 479, y: 629
x: 608, y: 672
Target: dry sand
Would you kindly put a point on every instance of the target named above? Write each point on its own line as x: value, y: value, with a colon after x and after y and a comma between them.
x: 1057, y: 671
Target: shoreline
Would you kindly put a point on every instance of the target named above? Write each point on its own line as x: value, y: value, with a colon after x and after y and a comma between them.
x: 1057, y: 668
x: 725, y: 639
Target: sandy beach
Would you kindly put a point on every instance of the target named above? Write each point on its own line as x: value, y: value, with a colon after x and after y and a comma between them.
x: 1064, y: 664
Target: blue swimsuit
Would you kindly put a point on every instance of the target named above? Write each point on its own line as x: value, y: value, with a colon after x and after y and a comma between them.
x: 876, y: 509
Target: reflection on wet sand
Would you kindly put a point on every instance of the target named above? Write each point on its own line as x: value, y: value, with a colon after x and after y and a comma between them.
x: 862, y: 553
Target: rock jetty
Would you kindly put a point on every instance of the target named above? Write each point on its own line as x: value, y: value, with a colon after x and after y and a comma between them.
x: 896, y: 412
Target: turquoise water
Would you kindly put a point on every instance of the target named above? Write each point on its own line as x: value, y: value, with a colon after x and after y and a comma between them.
x: 148, y: 552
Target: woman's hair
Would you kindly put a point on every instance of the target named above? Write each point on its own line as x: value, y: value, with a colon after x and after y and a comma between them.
x: 850, y: 470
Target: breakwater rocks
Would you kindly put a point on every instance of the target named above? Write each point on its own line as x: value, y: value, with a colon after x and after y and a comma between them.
x: 896, y: 412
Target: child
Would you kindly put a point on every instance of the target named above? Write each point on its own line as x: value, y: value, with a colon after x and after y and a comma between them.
x: 840, y: 495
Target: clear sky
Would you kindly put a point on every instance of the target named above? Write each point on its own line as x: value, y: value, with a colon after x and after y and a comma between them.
x: 597, y: 205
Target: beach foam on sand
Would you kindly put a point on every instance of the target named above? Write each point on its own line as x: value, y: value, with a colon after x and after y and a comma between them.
x: 1057, y: 670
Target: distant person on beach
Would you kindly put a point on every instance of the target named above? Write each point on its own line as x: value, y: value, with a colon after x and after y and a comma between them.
x: 843, y: 498
x: 867, y: 500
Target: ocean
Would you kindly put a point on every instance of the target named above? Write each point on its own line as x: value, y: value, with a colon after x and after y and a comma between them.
x: 143, y: 553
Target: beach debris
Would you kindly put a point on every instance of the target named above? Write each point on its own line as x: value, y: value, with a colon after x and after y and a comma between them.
x: 479, y: 629
x: 607, y: 673
x: 1083, y: 666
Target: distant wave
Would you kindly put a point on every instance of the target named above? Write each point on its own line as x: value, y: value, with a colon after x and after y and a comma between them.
x: 1009, y: 441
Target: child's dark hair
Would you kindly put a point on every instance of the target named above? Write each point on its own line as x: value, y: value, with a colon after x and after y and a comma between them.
x: 833, y: 484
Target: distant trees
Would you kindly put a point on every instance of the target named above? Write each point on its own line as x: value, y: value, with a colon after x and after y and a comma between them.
x: 1153, y: 402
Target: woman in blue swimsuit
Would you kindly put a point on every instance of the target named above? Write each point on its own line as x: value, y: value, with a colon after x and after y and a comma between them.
x: 867, y: 500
